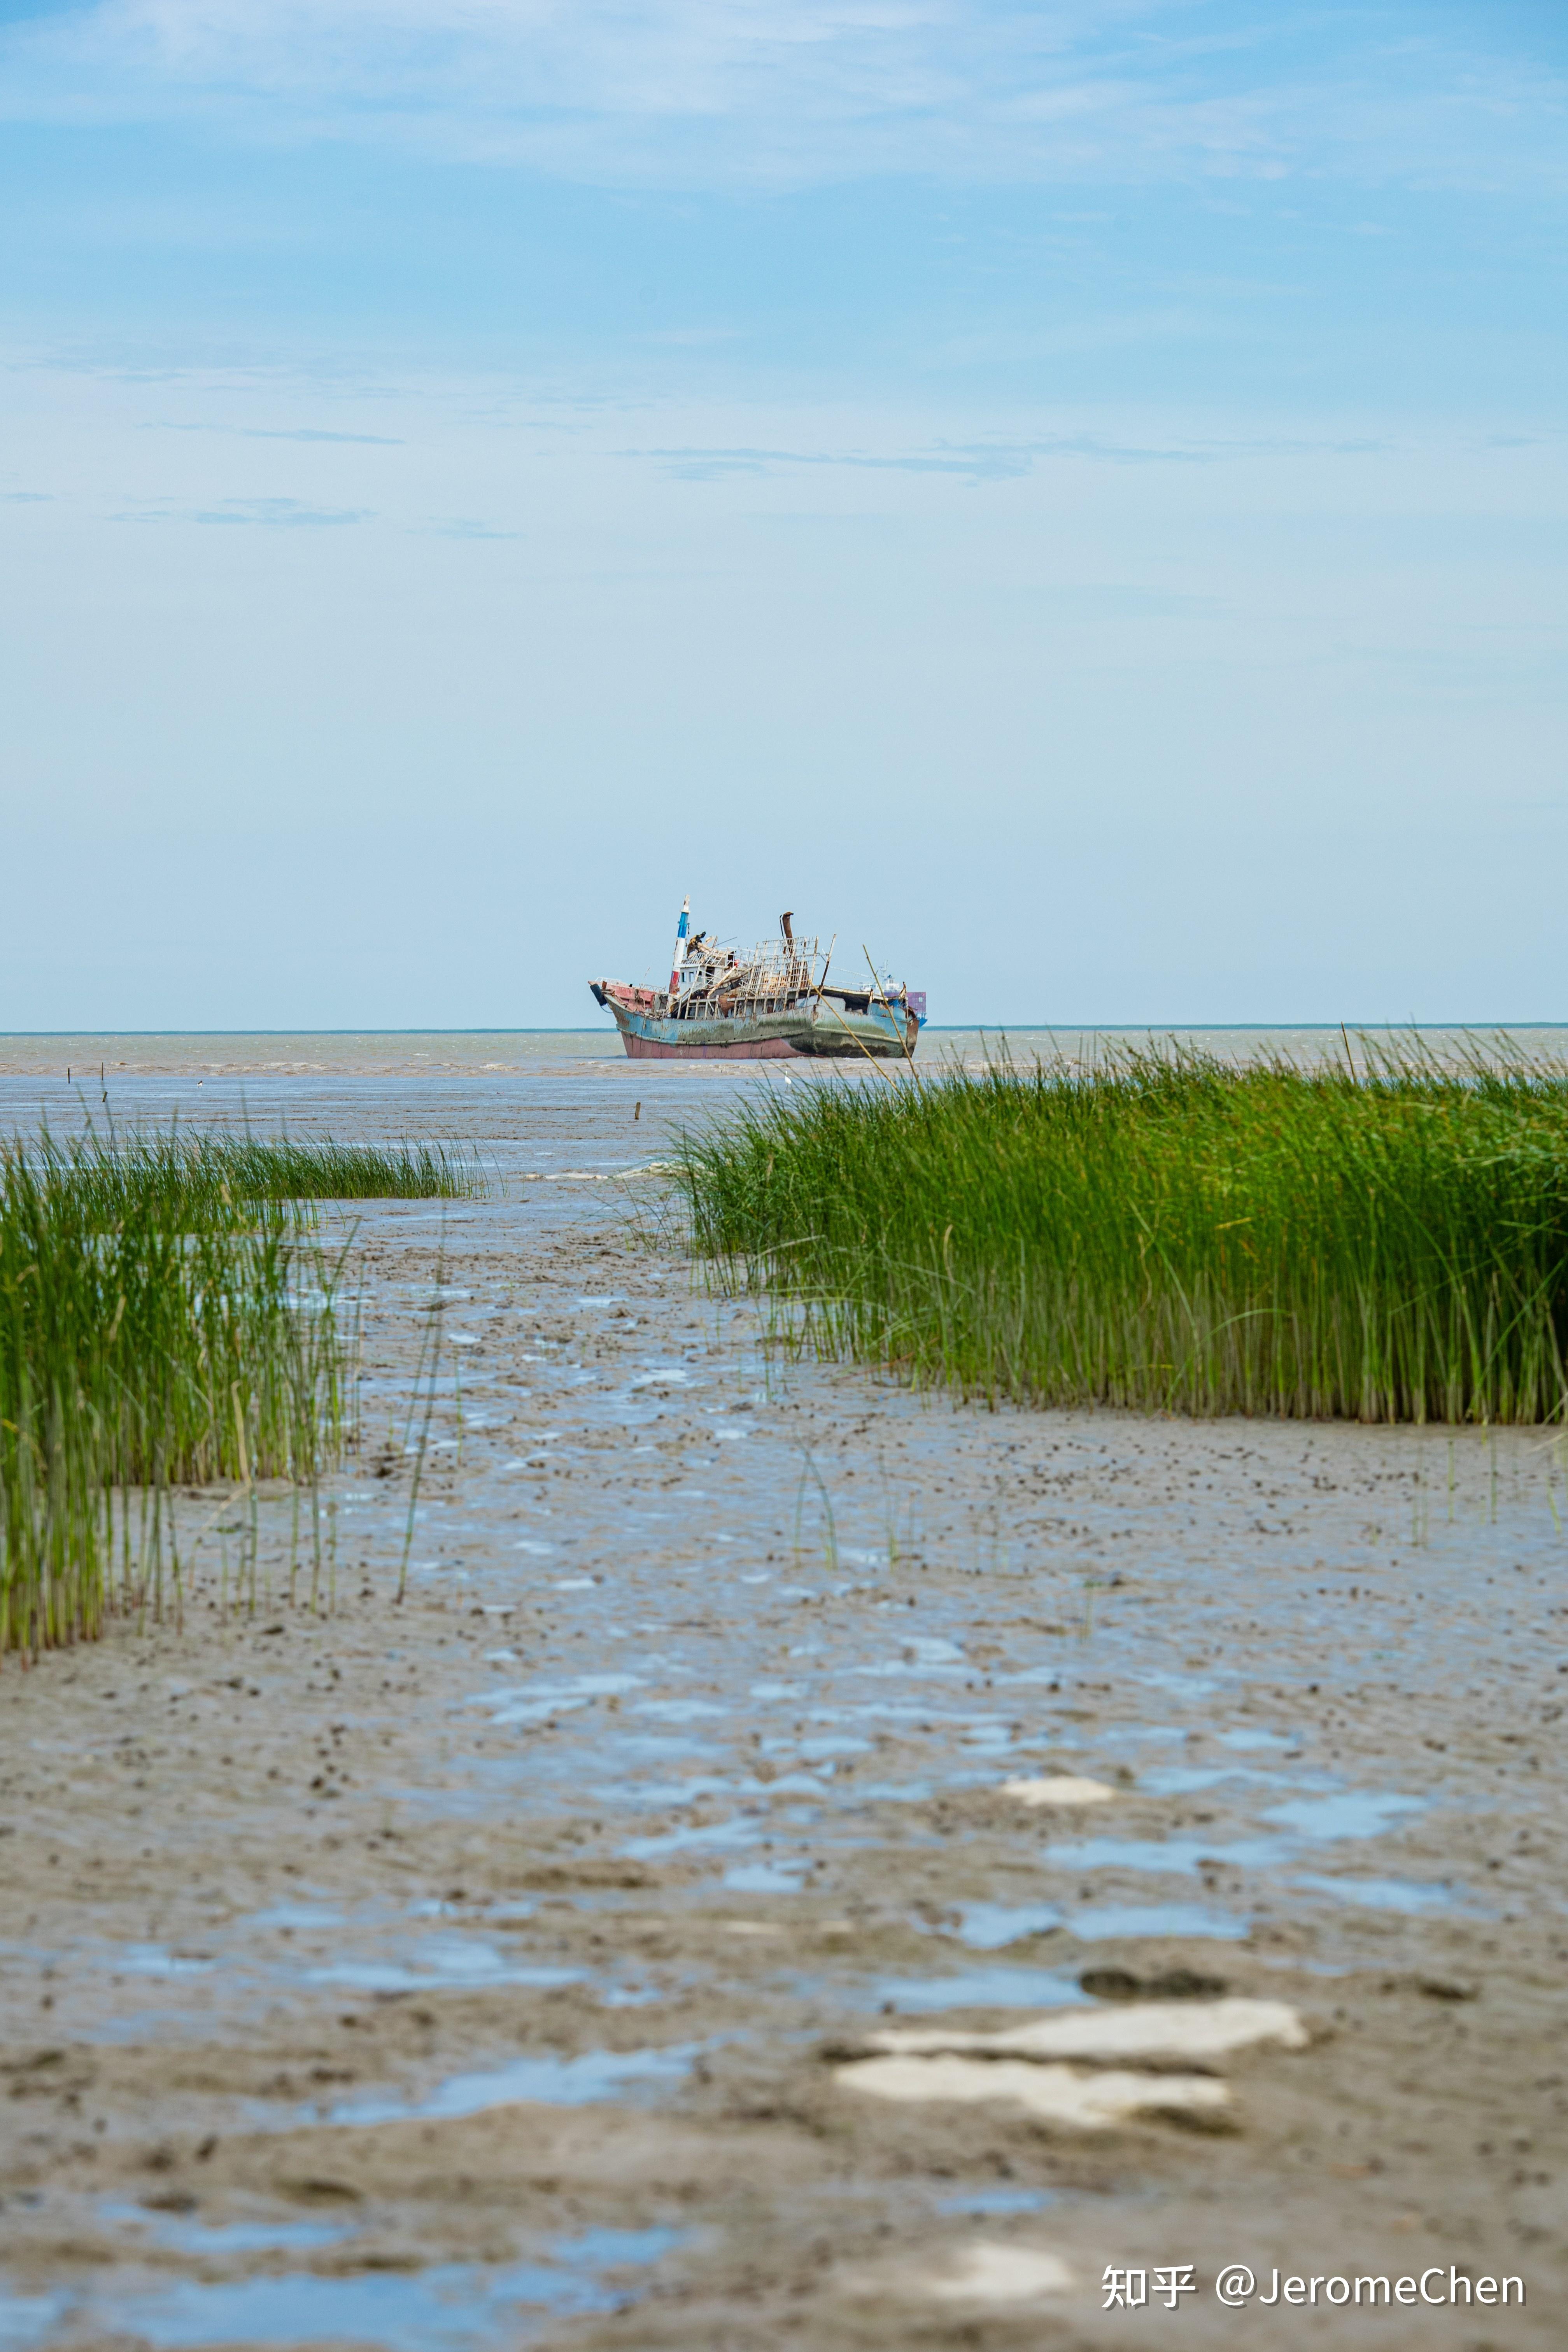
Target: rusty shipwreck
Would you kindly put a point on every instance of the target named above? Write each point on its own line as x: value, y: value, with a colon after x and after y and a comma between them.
x: 772, y: 1003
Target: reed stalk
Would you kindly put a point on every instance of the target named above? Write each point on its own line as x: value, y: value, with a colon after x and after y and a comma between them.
x: 166, y: 1319
x: 1168, y: 1232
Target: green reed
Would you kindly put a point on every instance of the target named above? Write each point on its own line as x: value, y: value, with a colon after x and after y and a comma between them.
x: 188, y: 1169
x: 1385, y: 1244
x: 161, y: 1323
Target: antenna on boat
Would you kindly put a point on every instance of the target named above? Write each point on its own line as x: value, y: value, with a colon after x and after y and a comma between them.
x: 681, y: 929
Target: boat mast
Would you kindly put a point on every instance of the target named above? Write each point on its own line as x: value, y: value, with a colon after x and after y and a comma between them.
x: 682, y: 927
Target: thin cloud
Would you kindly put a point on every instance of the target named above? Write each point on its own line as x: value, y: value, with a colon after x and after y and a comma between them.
x: 312, y: 432
x: 986, y: 460
x: 270, y: 432
x: 466, y: 526
x: 981, y: 461
x: 271, y: 514
x: 706, y: 92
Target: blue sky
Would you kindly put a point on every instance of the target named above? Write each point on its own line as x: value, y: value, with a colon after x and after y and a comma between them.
x: 1072, y: 496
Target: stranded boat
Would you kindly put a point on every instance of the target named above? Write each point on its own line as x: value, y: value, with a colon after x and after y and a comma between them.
x: 770, y: 1005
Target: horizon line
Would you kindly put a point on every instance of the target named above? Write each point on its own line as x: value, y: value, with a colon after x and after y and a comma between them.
x: 931, y: 1028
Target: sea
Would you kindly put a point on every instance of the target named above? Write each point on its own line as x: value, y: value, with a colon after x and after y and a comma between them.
x: 530, y: 1103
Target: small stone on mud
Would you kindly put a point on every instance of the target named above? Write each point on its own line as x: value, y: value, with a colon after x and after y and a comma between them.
x: 1060, y: 2095
x: 993, y: 2274
x: 1197, y: 2029
x: 1058, y: 1789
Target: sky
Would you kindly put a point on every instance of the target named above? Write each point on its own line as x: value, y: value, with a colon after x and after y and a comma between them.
x: 1069, y: 498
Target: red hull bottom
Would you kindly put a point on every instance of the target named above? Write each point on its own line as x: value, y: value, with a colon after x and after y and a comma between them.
x: 769, y: 1049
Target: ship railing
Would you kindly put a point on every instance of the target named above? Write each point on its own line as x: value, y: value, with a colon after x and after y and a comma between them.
x: 773, y: 977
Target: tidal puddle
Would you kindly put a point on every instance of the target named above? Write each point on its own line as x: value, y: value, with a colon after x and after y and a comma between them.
x: 1105, y: 1920
x: 710, y: 1837
x: 999, y: 1987
x: 182, y: 2235
x: 543, y: 2077
x: 152, y: 1961
x: 29, y: 2319
x: 452, y: 2307
x: 1348, y: 1813
x: 1406, y: 1894
x: 1188, y: 1780
x: 765, y: 1877
x: 998, y: 2200
x: 990, y: 1926
x: 435, y: 1968
x: 1172, y: 1857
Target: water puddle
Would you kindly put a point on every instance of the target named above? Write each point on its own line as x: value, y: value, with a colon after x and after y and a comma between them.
x: 1102, y: 1921
x: 436, y: 1966
x: 711, y: 1836
x: 152, y: 1961
x: 998, y: 1987
x: 992, y: 2201
x: 923, y: 1654
x: 184, y: 2236
x: 1349, y: 1813
x: 990, y: 1926
x: 765, y: 1877
x: 28, y: 2319
x: 452, y: 2307
x: 543, y: 2078
x: 524, y: 1703
x: 1188, y: 1780
x: 1171, y: 1857
x: 1406, y: 1894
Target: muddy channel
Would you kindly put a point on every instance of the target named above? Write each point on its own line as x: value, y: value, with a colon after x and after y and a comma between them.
x: 804, y: 1864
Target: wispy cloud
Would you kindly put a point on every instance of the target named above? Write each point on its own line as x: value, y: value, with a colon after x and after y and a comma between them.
x: 786, y: 91
x: 272, y: 432
x: 466, y: 526
x: 275, y: 514
x: 311, y: 433
x: 982, y: 461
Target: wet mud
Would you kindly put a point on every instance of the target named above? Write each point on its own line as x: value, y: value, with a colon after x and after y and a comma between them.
x: 802, y: 1864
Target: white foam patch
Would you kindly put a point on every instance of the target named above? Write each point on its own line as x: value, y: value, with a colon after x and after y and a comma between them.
x: 993, y: 2274
x: 1058, y: 1789
x: 1148, y: 2029
x: 1058, y: 2095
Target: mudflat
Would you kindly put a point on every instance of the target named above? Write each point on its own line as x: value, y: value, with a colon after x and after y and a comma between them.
x: 801, y: 1862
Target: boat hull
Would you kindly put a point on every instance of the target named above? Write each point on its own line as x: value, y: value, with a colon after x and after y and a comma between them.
x: 817, y: 1032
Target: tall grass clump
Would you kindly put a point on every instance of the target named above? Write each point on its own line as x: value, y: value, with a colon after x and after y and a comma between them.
x: 220, y: 1167
x: 1167, y: 1231
x: 160, y: 1325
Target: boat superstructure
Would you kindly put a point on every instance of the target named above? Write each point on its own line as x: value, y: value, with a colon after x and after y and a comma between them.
x: 773, y: 1002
